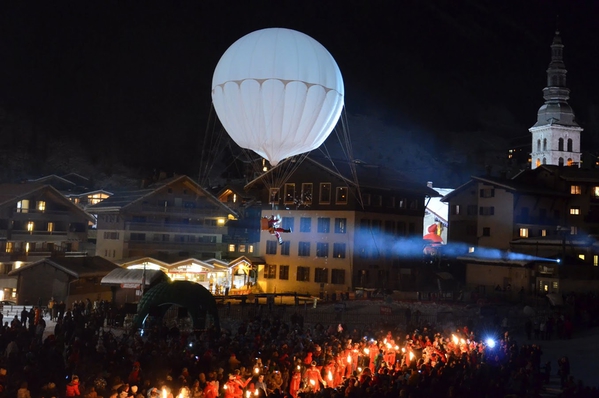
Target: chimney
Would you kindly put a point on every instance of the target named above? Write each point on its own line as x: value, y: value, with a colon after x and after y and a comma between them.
x: 429, y: 184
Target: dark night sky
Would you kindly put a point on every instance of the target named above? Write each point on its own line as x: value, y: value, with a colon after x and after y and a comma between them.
x: 137, y: 74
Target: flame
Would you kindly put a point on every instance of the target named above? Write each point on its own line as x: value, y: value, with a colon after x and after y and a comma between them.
x: 312, y: 382
x: 411, y: 355
x: 330, y: 375
x: 366, y: 351
x: 454, y: 338
x: 348, y: 358
x: 247, y: 394
x: 256, y: 392
x: 164, y: 393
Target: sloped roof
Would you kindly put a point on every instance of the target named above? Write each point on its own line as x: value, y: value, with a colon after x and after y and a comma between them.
x: 133, y: 276
x: 514, y: 185
x: 77, y: 267
x: 10, y: 194
x: 122, y: 200
x: 366, y: 175
x: 140, y: 260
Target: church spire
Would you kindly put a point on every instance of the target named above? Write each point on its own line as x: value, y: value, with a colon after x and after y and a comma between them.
x: 556, y: 134
x: 556, y: 73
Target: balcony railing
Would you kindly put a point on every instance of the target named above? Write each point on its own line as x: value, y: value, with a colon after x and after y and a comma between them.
x: 174, y: 228
x: 175, y: 246
x: 208, y: 210
x: 38, y: 214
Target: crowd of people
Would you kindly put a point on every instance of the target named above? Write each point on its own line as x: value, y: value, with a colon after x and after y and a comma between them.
x: 267, y: 357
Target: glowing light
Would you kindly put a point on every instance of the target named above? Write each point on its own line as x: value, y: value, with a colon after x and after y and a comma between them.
x: 411, y: 355
x: 256, y: 392
x: 349, y: 359
x: 490, y: 343
x: 312, y: 382
x: 330, y: 375
x: 454, y: 338
x: 366, y: 351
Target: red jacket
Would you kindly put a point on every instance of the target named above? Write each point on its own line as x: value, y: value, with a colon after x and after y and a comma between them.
x: 73, y: 389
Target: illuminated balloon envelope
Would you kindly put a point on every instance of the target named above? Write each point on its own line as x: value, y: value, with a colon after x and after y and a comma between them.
x: 277, y: 92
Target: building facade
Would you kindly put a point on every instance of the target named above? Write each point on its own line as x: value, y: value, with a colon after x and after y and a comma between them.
x: 346, y: 233
x: 170, y: 220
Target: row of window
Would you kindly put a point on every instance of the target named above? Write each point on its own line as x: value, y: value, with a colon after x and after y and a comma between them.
x: 321, y: 275
x: 323, y: 224
x: 142, y: 237
x: 560, y: 162
x: 577, y: 190
x: 325, y: 196
x: 560, y: 145
x: 23, y: 206
x: 303, y: 249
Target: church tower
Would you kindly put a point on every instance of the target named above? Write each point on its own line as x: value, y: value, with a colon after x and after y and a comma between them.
x: 556, y: 135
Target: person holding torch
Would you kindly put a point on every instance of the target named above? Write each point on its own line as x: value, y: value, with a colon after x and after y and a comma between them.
x: 314, y: 378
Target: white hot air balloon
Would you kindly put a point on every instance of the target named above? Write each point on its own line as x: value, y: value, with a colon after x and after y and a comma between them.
x: 277, y: 92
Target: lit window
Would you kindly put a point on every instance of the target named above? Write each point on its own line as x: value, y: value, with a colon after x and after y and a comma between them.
x: 596, y: 192
x: 554, y: 284
x: 9, y: 247
x: 231, y: 248
x: 543, y: 232
x: 575, y: 189
x: 471, y: 249
x: 50, y: 227
x: 241, y: 248
x: 581, y: 256
x: 251, y: 249
x: 41, y: 205
x: 23, y: 206
x: 341, y: 197
x: 30, y: 226
x: 596, y: 260
x: 575, y: 210
x: 524, y: 232
x: 546, y: 287
x: 455, y: 209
